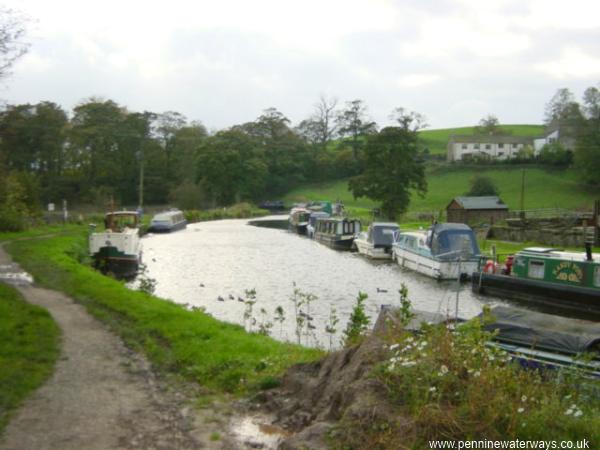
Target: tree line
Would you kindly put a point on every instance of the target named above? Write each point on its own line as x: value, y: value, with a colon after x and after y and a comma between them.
x: 102, y: 150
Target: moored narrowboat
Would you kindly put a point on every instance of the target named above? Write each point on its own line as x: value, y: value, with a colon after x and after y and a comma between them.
x: 298, y: 220
x: 117, y: 249
x: 337, y: 232
x: 545, y: 276
x: 312, y: 222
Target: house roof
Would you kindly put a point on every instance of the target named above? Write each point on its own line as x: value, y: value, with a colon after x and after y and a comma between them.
x: 486, y: 202
x: 490, y: 139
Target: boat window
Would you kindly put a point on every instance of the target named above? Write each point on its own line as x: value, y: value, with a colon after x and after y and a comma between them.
x: 597, y: 276
x: 453, y: 244
x: 536, y: 269
x: 342, y: 227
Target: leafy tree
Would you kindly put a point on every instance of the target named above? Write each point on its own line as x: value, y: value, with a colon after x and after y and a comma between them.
x: 12, y: 46
x: 555, y: 154
x: 562, y: 109
x: 353, y: 125
x: 393, y: 167
x: 231, y: 167
x: 489, y: 125
x: 481, y: 186
x: 166, y: 126
x: 587, y: 150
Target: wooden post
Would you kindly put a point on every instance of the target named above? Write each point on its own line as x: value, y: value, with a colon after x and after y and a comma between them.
x: 597, y: 222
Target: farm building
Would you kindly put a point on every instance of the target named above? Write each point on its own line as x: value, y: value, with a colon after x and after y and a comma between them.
x: 489, y: 209
x: 500, y: 147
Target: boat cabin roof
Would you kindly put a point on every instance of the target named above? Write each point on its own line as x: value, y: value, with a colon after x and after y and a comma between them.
x: 384, y: 224
x: 542, y: 252
x: 167, y: 215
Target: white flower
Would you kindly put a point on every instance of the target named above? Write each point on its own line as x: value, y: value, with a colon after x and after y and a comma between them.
x: 394, y: 347
x: 567, y: 397
x: 520, y: 410
x: 409, y: 339
x: 443, y: 369
x: 568, y: 412
x: 477, y: 373
x: 408, y: 363
x: 578, y: 413
x: 524, y: 398
x: 432, y: 389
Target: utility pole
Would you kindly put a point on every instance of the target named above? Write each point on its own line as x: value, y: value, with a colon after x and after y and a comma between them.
x: 523, y: 194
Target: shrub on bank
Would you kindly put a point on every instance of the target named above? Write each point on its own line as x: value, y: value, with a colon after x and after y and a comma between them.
x: 449, y: 384
x: 237, y: 211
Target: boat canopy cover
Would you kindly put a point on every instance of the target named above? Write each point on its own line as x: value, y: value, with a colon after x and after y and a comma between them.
x: 382, y: 233
x: 544, y: 331
x: 452, y: 240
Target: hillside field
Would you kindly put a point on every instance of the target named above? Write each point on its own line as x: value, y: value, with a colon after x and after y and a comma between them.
x: 543, y: 189
x: 436, y: 140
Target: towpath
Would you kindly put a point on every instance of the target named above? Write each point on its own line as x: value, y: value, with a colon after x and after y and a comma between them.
x: 102, y: 395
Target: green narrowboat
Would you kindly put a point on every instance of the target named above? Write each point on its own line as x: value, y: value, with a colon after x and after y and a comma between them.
x: 337, y: 232
x: 547, y: 276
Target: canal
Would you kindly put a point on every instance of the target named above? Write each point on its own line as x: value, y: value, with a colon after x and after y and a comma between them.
x: 212, y: 264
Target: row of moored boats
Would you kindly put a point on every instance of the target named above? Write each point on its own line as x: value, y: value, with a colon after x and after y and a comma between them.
x: 449, y: 251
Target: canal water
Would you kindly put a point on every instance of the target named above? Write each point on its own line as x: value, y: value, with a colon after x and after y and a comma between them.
x: 212, y: 264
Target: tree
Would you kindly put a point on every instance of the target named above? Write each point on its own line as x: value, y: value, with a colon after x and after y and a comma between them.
x: 562, y: 109
x: 165, y: 127
x: 481, y: 186
x: 232, y: 167
x: 320, y: 128
x: 393, y: 166
x: 354, y: 124
x: 12, y: 47
x: 489, y: 125
x: 587, y: 149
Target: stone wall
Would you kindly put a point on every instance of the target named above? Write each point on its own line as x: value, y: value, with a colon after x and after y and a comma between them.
x: 556, y: 237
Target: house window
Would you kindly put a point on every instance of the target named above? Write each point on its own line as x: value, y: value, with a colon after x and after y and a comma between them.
x: 464, y: 146
x: 476, y: 146
x: 597, y: 276
x: 500, y: 153
x: 514, y: 146
x: 536, y: 269
x: 488, y: 146
x: 500, y: 145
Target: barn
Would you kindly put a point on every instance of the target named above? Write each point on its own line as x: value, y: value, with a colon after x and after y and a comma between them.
x: 488, y: 209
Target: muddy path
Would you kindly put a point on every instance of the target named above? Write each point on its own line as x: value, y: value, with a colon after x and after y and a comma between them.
x: 103, y: 395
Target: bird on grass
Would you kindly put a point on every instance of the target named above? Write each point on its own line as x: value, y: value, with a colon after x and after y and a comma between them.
x: 221, y: 299
x: 231, y: 297
x: 240, y: 299
x: 381, y: 290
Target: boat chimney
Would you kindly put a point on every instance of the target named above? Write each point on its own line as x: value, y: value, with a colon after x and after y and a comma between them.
x: 588, y: 251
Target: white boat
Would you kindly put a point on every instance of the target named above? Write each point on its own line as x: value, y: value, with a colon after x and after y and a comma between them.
x: 168, y: 221
x: 298, y: 220
x: 117, y: 249
x: 445, y: 252
x: 377, y: 241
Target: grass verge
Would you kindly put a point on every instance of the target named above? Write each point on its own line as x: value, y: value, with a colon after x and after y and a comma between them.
x: 29, y: 346
x: 218, y: 355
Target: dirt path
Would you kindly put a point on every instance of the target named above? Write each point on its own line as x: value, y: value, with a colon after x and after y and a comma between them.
x: 102, y: 395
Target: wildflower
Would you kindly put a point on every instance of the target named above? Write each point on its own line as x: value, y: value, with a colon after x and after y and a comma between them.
x: 394, y: 347
x: 524, y: 398
x: 568, y: 412
x: 444, y: 369
x: 477, y: 373
x: 408, y: 363
x: 409, y: 339
x: 567, y: 397
x: 432, y: 389
x: 520, y: 410
x: 577, y: 413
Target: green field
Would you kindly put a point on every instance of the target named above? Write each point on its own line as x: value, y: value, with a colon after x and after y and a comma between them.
x: 436, y: 140
x: 543, y: 189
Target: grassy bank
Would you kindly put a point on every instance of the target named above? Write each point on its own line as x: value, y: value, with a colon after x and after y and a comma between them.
x: 237, y: 211
x: 29, y: 341
x: 218, y: 355
x: 445, y: 384
x: 543, y: 189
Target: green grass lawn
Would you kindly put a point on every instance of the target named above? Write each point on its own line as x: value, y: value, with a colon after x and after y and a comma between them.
x: 543, y: 189
x: 436, y: 140
x: 29, y: 346
x: 218, y: 355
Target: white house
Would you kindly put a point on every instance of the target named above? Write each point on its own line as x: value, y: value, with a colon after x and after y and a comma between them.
x: 563, y: 134
x: 499, y: 147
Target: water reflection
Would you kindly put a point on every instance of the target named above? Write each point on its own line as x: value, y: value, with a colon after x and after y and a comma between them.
x: 209, y: 260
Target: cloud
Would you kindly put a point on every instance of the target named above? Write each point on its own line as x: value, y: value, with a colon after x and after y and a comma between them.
x: 572, y: 63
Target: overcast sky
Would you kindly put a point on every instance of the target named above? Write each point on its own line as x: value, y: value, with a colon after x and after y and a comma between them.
x: 223, y: 61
